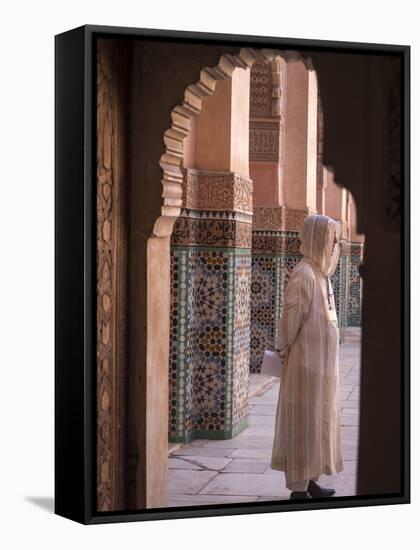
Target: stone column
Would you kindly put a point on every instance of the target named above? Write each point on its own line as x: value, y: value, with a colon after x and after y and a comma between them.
x: 266, y: 151
x: 211, y: 272
x: 301, y: 162
x: 300, y: 171
x: 283, y: 165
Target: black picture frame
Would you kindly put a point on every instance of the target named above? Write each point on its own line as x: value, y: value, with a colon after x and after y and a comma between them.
x: 75, y: 276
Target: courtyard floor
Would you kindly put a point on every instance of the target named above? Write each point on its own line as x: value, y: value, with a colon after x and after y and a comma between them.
x: 238, y: 470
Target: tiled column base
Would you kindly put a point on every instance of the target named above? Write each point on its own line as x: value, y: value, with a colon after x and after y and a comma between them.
x: 210, y: 325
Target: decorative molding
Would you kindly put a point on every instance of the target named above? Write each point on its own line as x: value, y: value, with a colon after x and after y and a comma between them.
x: 275, y: 242
x: 217, y: 215
x: 294, y: 218
x: 192, y: 232
x: 269, y: 217
x: 267, y: 111
x: 216, y: 191
x: 279, y: 218
x: 266, y: 140
x: 267, y: 85
x: 261, y: 89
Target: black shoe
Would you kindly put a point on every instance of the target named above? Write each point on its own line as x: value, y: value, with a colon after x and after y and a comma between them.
x: 318, y: 492
x: 299, y: 495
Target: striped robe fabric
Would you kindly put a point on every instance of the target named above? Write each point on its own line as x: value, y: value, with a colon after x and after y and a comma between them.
x: 307, y: 437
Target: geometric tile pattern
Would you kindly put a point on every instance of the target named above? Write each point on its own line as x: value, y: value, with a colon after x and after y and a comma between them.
x: 355, y: 284
x: 241, y: 341
x: 339, y: 282
x: 274, y: 254
x: 209, y: 344
x: 263, y: 307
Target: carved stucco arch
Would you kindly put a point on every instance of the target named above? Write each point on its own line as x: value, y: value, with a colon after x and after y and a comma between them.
x: 181, y: 115
x: 158, y: 263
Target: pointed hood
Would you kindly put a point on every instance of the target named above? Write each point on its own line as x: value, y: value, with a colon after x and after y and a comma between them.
x: 317, y: 239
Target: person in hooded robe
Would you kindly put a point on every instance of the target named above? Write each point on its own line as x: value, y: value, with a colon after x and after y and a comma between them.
x: 307, y: 436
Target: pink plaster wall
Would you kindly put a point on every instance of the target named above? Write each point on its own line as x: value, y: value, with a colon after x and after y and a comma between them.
x: 212, y: 130
x: 312, y: 140
x: 189, y: 147
x: 320, y: 193
x: 222, y: 127
x: 335, y: 198
x: 301, y: 138
x: 239, y: 161
x: 266, y: 177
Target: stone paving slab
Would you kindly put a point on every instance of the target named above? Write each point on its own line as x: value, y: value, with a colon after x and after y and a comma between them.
x: 349, y: 420
x: 202, y: 451
x: 257, y: 454
x: 242, y: 443
x: 266, y: 410
x: 200, y: 500
x: 350, y: 466
x: 188, y: 481
x: 255, y: 420
x: 191, y: 462
x: 259, y: 384
x: 256, y: 485
x: 179, y: 464
x: 245, y: 465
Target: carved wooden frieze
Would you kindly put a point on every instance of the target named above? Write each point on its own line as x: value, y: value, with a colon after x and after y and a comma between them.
x: 105, y: 358
x: 110, y: 254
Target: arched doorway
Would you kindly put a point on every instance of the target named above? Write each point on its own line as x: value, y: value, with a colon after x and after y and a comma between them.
x: 230, y: 416
x: 210, y: 359
x: 158, y: 250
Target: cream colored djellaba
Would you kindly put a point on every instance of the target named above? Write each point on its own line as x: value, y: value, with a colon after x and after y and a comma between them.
x: 307, y: 438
